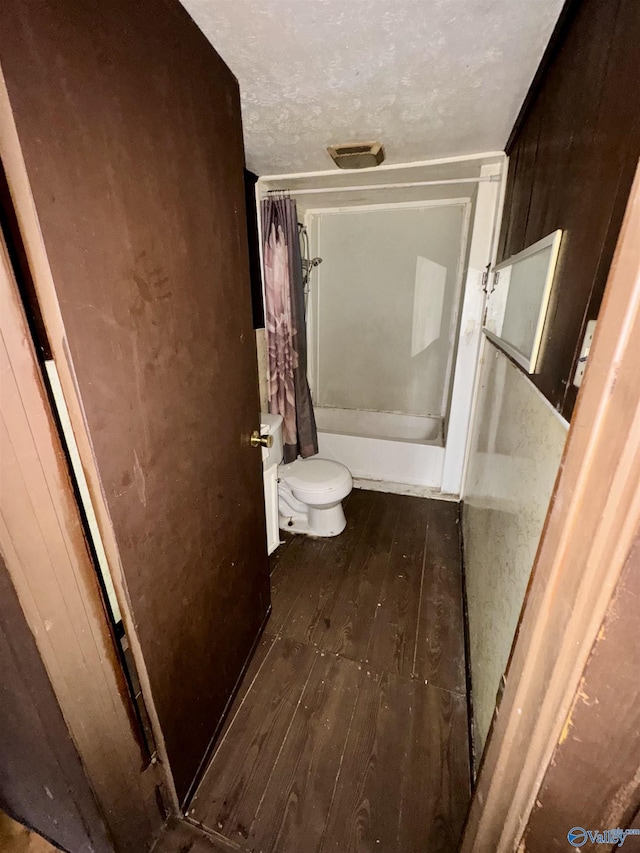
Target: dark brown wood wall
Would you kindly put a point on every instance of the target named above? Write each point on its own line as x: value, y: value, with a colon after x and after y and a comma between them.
x: 42, y: 782
x: 573, y: 155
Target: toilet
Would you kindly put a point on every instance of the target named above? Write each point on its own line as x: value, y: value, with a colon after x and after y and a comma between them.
x: 310, y: 491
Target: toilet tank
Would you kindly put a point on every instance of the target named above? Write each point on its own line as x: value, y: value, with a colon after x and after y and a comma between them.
x: 271, y: 425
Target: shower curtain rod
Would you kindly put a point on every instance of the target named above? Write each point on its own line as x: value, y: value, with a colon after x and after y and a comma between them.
x: 406, y: 185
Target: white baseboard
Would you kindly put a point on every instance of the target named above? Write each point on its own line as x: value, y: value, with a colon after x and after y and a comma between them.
x: 402, y: 489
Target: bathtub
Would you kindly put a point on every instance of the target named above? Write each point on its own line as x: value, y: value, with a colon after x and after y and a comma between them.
x: 383, y: 448
x: 387, y: 425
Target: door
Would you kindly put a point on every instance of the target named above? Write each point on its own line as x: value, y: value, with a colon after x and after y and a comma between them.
x: 129, y: 126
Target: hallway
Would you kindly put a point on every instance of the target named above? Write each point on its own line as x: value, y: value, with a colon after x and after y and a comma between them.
x: 350, y: 729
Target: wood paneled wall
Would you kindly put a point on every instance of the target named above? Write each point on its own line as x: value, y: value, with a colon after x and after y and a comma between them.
x: 573, y: 634
x: 42, y: 781
x: 573, y: 155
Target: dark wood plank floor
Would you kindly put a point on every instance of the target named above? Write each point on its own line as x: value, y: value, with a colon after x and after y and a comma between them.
x: 178, y: 836
x: 350, y: 730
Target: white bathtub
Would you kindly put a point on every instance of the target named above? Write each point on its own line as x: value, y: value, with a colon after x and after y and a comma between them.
x: 383, y: 447
x: 389, y: 425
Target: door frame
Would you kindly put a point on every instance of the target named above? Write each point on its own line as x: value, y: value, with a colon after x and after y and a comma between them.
x: 482, y: 250
x: 593, y: 517
x: 590, y: 529
x: 141, y: 796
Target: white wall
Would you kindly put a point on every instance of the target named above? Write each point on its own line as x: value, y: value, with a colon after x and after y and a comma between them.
x: 384, y: 308
x: 263, y: 368
x: 516, y: 446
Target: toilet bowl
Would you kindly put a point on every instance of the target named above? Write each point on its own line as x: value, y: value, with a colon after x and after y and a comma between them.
x: 310, y: 495
x: 310, y: 491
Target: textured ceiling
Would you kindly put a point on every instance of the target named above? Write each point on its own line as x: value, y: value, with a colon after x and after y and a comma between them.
x: 428, y: 78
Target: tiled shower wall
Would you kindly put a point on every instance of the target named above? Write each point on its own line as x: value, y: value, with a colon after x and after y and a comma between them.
x: 517, y: 443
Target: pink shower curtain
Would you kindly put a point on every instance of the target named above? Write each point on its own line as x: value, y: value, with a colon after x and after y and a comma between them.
x: 289, y: 393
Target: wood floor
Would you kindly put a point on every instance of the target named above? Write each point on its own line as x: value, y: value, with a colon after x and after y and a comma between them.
x: 15, y: 838
x: 350, y: 730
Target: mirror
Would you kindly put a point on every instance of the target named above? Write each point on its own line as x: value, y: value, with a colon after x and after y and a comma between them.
x: 519, y: 298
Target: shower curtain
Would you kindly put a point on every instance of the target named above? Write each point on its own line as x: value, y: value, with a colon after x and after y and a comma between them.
x: 289, y: 393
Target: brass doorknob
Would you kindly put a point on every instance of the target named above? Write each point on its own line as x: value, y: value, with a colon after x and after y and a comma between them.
x: 258, y: 440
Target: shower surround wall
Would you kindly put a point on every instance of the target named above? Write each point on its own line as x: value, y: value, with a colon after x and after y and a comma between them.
x: 394, y: 312
x: 384, y: 311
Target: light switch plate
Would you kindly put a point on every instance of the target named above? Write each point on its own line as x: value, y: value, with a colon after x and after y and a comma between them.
x: 584, y: 353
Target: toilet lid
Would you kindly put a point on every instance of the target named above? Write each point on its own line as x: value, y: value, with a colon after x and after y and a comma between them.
x: 315, y: 475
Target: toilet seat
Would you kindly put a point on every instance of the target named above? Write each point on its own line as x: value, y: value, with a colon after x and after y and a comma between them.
x: 315, y: 478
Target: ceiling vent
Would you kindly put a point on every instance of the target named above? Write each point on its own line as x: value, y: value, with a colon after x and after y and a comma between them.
x: 357, y: 155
